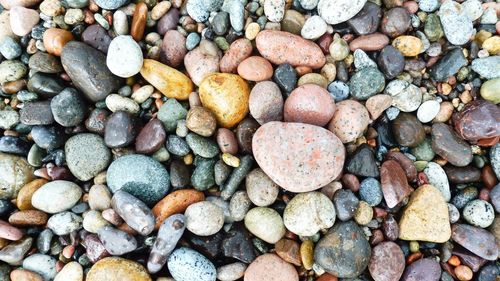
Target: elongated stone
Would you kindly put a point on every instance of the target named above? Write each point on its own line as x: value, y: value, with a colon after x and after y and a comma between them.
x: 134, y: 212
x: 394, y: 183
x: 477, y: 240
x: 117, y: 242
x: 171, y: 82
x: 170, y: 232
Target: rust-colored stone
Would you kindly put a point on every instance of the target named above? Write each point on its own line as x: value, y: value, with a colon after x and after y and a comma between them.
x: 139, y: 21
x: 289, y: 251
x: 54, y: 40
x: 394, y: 183
x: 28, y: 218
x: 175, y: 203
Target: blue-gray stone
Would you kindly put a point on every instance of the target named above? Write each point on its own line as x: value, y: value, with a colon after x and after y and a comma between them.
x: 366, y: 83
x: 10, y: 49
x: 488, y: 67
x: 339, y: 90
x: 370, y: 191
x: 111, y: 4
x: 187, y: 265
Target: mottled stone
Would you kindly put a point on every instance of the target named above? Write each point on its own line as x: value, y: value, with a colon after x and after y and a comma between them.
x: 394, y: 183
x: 387, y: 262
x: 447, y: 144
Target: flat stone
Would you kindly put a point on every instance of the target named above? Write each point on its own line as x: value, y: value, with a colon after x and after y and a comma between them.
x: 303, y: 174
x: 448, y: 65
x: 270, y: 267
x: 447, y: 144
x: 387, y: 262
x: 56, y: 196
x: 394, y: 183
x: 477, y: 240
x: 86, y: 156
x: 423, y: 269
x: 151, y: 137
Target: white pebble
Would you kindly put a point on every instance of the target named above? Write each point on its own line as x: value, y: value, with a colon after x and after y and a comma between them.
x: 124, y: 56
x: 427, y: 111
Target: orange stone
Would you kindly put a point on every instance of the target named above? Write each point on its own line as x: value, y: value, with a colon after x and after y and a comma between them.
x: 23, y: 200
x: 54, y: 40
x: 139, y: 21
x: 463, y: 273
x: 24, y: 275
x: 289, y: 251
x: 175, y: 203
x: 28, y: 218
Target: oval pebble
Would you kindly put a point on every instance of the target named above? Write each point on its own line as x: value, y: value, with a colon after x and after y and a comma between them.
x: 124, y: 57
x: 56, y: 196
x: 186, y: 265
x: 428, y: 110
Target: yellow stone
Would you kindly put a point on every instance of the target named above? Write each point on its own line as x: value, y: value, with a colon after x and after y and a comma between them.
x: 363, y: 214
x: 409, y: 46
x: 425, y: 218
x: 117, y: 269
x: 231, y: 160
x: 492, y: 45
x: 171, y: 82
x: 23, y: 200
x: 307, y: 254
x: 226, y: 95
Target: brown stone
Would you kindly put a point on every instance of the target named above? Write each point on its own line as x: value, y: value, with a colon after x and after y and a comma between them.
x: 244, y: 134
x: 54, y: 40
x: 238, y: 51
x: 477, y: 240
x: 175, y: 203
x: 349, y: 121
x: 117, y: 269
x: 255, y: 68
x: 394, y: 183
x: 479, y: 119
x: 28, y: 218
x: 310, y: 104
x: 266, y: 102
x: 270, y: 267
x: 405, y: 163
x: 201, y: 121
x: 139, y: 21
x: 289, y: 251
x: 371, y: 42
x: 227, y: 141
x: 24, y: 275
x: 447, y: 144
x: 94, y: 248
x: 377, y: 104
x: 151, y: 137
x: 23, y: 200
x: 173, y: 48
x: 387, y: 262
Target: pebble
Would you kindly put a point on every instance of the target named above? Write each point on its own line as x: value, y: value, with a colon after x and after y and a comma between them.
x: 309, y: 104
x: 425, y: 218
x: 8, y: 119
x: 186, y: 264
x: 367, y: 20
x: 170, y: 232
x: 479, y: 213
x: 111, y: 4
x: 44, y: 265
x: 22, y: 20
x: 487, y: 67
x: 308, y: 213
x: 394, y: 183
x: 93, y: 221
x: 68, y: 108
x: 386, y: 262
x: 22, y: 274
x: 395, y: 22
x: 173, y: 48
x: 124, y: 58
x: 12, y: 70
x: 121, y: 128
x: 344, y: 251
x: 231, y: 272
x: 134, y: 212
x: 169, y: 81
x: 239, y: 50
x: 86, y: 156
x: 491, y: 45
x: 81, y: 62
x: 448, y: 145
x: 309, y: 176
x: 448, y: 65
x: 266, y: 102
x: 175, y: 203
x: 473, y: 131
x: 282, y: 47
x: 255, y: 68
x: 10, y: 49
x: 405, y: 96
x: 139, y: 175
x: 64, y: 223
x: 265, y: 223
x: 409, y: 46
x: 456, y: 23
x: 489, y: 91
x: 204, y: 218
x: 423, y: 269
x: 428, y: 110
x: 261, y: 190
x: 428, y: 5
x: 334, y: 16
x: 151, y: 138
x: 349, y: 121
x: 371, y: 42
x: 270, y: 267
x: 115, y: 269
x: 274, y: 10
x: 116, y: 242
x: 15, y: 172
x: 366, y: 83
x: 239, y: 205
x: 72, y: 271
x: 200, y: 63
x: 226, y: 95
x: 171, y: 112
x: 408, y: 131
x: 477, y: 240
x: 56, y: 196
x: 313, y: 28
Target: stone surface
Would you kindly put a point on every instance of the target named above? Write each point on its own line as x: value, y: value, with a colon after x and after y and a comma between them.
x: 204, y: 218
x: 387, y: 262
x: 304, y: 173
x: 394, y: 183
x: 448, y: 65
x: 134, y: 212
x: 266, y: 102
x: 15, y: 172
x: 175, y: 203
x: 447, y: 144
x: 478, y: 120
x: 116, y: 268
x: 477, y: 240
x: 86, y: 155
x: 168, y: 235
x: 349, y: 121
x: 171, y: 82
x: 456, y: 24
x: 362, y: 162
x: 186, y: 264
x: 348, y: 9
x: 423, y: 269
x: 265, y: 223
x: 425, y: 217
x: 261, y: 190
x: 270, y: 267
x: 56, y: 196
x: 151, y: 137
x: 310, y: 104
x: 124, y: 58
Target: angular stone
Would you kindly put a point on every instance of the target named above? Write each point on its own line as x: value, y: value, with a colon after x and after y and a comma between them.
x: 363, y: 163
x: 447, y: 144
x: 448, y: 65
x: 394, y: 183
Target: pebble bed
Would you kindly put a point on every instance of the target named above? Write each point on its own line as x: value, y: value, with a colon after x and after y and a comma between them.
x: 251, y: 140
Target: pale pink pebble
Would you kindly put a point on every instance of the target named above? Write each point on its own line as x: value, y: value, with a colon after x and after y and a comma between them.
x: 270, y: 267
x: 349, y: 121
x: 22, y: 20
x: 310, y: 104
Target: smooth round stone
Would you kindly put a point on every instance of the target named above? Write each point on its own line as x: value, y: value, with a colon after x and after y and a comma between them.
x: 199, y: 10
x: 68, y: 108
x: 281, y: 47
x: 15, y: 172
x: 111, y: 4
x: 12, y: 70
x: 270, y: 267
x: 310, y: 104
x: 344, y: 251
x: 447, y: 144
x: 239, y: 50
x: 255, y: 68
x: 428, y: 110
x: 200, y: 63
x: 64, y: 223
x: 116, y: 242
x: 239, y: 205
x: 367, y: 20
x: 124, y: 57
x: 456, y: 23
x: 265, y: 223
x: 72, y: 271
x: 308, y: 213
x: 10, y: 49
x: 337, y: 11
x: 409, y: 46
x: 261, y: 190
x: 171, y: 112
x: 274, y: 10
x: 177, y: 146
x: 169, y: 81
x: 266, y: 102
x: 405, y: 96
x: 22, y: 20
x: 139, y: 175
x: 201, y: 146
x: 370, y: 191
x: 345, y: 203
x: 387, y: 262
x: 86, y: 156
x: 204, y: 218
x: 93, y: 221
x: 277, y: 142
x: 408, y: 131
x: 231, y: 272
x: 490, y: 90
x: 151, y: 138
x: 226, y: 95
x: 391, y: 62
x: 99, y: 197
x: 48, y: 137
x: 437, y: 177
x: 349, y: 121
x: 395, y: 22
x: 44, y: 265
x: 478, y: 120
x: 479, y: 213
x: 117, y: 269
x: 173, y: 48
x: 453, y: 212
x: 186, y: 264
x: 423, y: 269
x: 313, y: 28
x: 366, y: 83
x: 56, y: 196
x: 121, y: 128
x: 134, y: 212
x: 339, y: 90
x: 19, y: 274
x: 8, y: 119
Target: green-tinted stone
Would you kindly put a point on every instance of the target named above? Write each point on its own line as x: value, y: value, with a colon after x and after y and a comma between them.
x: 366, y: 83
x: 203, y: 175
x: 490, y: 90
x: 202, y: 146
x: 433, y: 29
x: 423, y: 151
x: 170, y: 112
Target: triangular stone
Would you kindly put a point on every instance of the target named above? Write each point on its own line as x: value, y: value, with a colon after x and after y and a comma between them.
x: 425, y: 218
x: 363, y: 163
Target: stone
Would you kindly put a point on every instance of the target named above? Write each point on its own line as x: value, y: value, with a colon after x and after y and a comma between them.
x: 265, y: 223
x: 175, y: 203
x: 386, y: 262
x: 8, y: 119
x: 490, y: 92
x: 391, y: 62
x: 448, y: 145
x: 349, y: 121
x: 169, y: 81
x: 437, y: 177
x: 226, y: 95
x: 456, y: 23
x: 173, y: 48
x: 54, y: 39
x: 425, y: 217
x: 231, y: 272
x: 371, y: 42
x: 313, y: 28
x: 111, y: 4
x: 367, y: 20
x: 239, y: 50
x: 68, y: 108
x: 270, y: 267
x: 81, y: 62
x: 408, y: 131
x: 201, y: 146
x: 56, y: 196
x: 377, y: 104
x: 405, y: 96
x: 95, y: 250
x: 308, y: 213
x: 261, y: 190
x: 168, y: 21
x: 139, y: 175
x: 151, y: 137
x: 72, y: 271
x: 479, y: 213
x: 479, y: 241
x: 186, y: 264
x: 117, y: 242
x: 93, y: 221
x: 362, y: 162
x: 22, y: 20
x: 310, y: 175
x: 96, y: 36
x: 168, y: 235
x: 171, y: 112
x: 116, y: 268
x: 48, y: 137
x: 344, y: 251
x: 394, y: 183
x: 121, y: 129
x: 266, y: 102
x: 15, y: 172
x: 448, y: 65
x: 124, y: 58
x: 370, y: 190
x: 204, y: 218
x: 491, y: 45
x: 465, y: 122
x: 200, y: 10
x: 309, y: 104
x: 423, y: 269
x: 44, y: 265
x: 286, y: 77
x: 326, y: 9
x: 255, y: 68
x: 64, y: 223
x: 428, y: 110
x: 487, y: 67
x: 201, y: 62
x: 274, y: 10
x: 282, y: 47
x: 22, y: 274
x: 12, y: 70
x: 86, y: 156
x: 134, y: 212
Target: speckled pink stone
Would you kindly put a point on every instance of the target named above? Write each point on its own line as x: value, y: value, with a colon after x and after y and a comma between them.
x: 349, y: 121
x: 270, y: 267
x: 298, y: 157
x: 309, y: 104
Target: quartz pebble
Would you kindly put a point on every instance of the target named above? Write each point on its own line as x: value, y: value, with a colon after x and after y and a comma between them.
x: 186, y: 264
x: 124, y: 57
x: 204, y: 218
x: 134, y: 212
x: 307, y: 213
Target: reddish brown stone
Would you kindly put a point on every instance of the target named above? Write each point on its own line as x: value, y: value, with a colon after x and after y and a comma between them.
x: 244, y: 134
x: 54, y: 40
x: 465, y: 174
x: 139, y: 21
x: 405, y: 163
x: 28, y: 218
x: 173, y: 48
x: 350, y: 181
x: 151, y: 137
x: 289, y: 251
x: 270, y: 267
x: 394, y: 183
x: 310, y: 104
x: 477, y: 240
x: 227, y: 141
x: 478, y: 120
x: 488, y: 177
x: 387, y: 262
x: 371, y: 42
